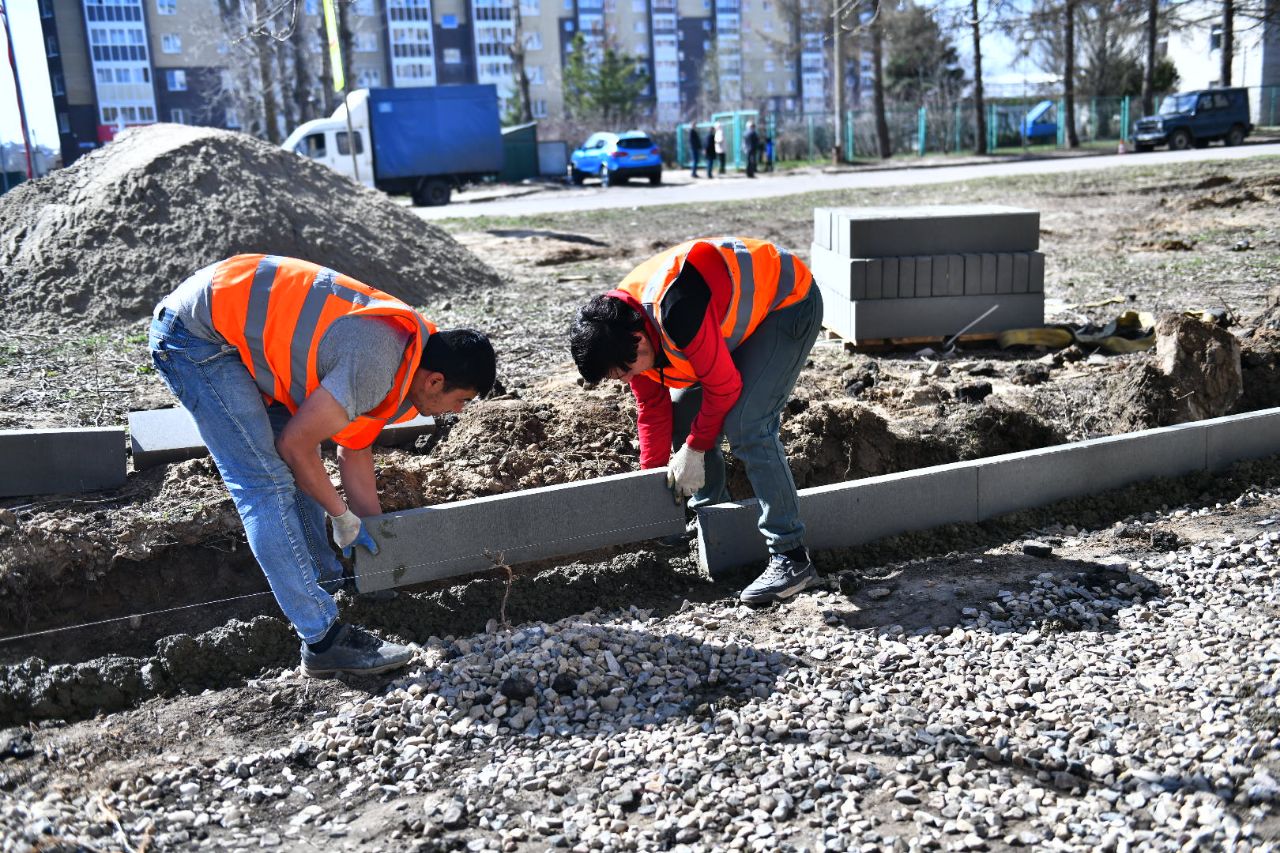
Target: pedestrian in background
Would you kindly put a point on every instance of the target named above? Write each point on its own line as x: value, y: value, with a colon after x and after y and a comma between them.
x: 719, y: 145
x: 711, y: 151
x: 695, y: 149
x: 751, y: 147
x: 768, y: 153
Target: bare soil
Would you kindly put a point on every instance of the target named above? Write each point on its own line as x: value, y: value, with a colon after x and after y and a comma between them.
x: 169, y: 543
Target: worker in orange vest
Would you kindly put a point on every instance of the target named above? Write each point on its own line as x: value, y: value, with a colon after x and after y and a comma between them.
x: 274, y: 355
x: 711, y: 336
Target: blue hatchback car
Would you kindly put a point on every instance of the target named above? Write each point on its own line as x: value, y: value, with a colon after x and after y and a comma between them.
x: 615, y: 158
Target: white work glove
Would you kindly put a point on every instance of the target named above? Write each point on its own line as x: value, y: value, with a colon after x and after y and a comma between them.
x: 348, y: 531
x: 686, y: 472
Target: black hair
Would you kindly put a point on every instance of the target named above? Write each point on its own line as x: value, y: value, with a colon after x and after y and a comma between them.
x: 603, y: 337
x: 464, y: 356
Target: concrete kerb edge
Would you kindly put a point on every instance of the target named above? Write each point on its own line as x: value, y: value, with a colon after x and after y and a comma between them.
x: 726, y: 535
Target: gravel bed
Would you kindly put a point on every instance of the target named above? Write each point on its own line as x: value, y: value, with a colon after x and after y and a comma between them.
x: 1114, y: 703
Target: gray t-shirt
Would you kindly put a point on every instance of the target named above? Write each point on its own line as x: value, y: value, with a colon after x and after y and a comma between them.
x: 357, y: 358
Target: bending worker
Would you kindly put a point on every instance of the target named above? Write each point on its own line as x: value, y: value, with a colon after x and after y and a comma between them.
x: 273, y: 355
x: 711, y: 336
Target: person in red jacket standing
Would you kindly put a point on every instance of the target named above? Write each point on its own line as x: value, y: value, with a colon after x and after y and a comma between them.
x: 711, y: 335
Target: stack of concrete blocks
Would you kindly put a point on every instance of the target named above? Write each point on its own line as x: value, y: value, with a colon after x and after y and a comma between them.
x: 910, y: 272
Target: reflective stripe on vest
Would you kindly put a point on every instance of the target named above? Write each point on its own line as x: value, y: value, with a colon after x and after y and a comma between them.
x: 276, y: 310
x: 765, y: 278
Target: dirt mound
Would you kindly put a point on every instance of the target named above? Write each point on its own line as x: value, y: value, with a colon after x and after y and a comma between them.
x: 1195, y: 375
x: 105, y: 239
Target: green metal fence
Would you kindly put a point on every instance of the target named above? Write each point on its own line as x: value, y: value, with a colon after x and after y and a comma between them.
x: 951, y: 128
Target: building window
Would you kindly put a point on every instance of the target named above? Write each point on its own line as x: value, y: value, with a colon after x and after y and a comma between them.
x: 539, y: 108
x: 1215, y: 37
x: 449, y: 22
x: 166, y: 7
x: 46, y: 8
x: 364, y: 7
x: 175, y: 80
x: 530, y: 7
x: 64, y: 123
x: 366, y: 43
x: 51, y: 46
x: 178, y: 115
x: 368, y: 77
x: 535, y: 75
x: 232, y: 119
x: 452, y: 56
x: 641, y: 27
x: 59, y: 86
x: 171, y: 43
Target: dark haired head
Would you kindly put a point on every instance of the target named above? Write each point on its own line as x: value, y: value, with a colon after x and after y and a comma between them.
x: 465, y: 358
x: 603, y: 336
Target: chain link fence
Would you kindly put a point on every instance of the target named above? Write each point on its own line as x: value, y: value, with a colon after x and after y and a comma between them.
x: 1012, y: 126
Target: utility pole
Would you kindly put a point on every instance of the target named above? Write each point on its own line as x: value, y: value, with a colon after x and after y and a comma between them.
x: 17, y: 86
x: 838, y: 96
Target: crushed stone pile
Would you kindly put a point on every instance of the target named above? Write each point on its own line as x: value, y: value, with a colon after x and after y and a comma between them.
x: 103, y: 240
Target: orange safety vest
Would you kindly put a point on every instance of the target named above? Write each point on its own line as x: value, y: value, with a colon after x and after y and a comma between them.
x: 765, y: 278
x: 275, y: 311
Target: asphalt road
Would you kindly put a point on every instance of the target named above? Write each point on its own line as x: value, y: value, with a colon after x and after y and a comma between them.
x: 679, y: 189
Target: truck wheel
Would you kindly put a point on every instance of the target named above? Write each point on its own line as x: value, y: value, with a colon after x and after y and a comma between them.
x: 1235, y: 135
x: 432, y: 193
x: 655, y: 179
x: 575, y: 177
x: 1181, y: 140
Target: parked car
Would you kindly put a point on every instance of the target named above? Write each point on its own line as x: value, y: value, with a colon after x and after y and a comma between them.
x: 1196, y: 118
x: 615, y: 158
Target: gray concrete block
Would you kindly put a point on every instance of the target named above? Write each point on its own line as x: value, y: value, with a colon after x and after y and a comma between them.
x: 988, y: 274
x: 161, y: 436
x: 822, y: 227
x: 1035, y: 282
x: 939, y: 265
x: 1252, y: 435
x: 890, y: 276
x: 58, y: 461
x: 955, y: 275
x: 875, y: 278
x: 1021, y: 272
x: 844, y: 276
x: 907, y: 278
x: 837, y: 313
x: 1004, y: 273
x: 972, y: 275
x: 845, y: 514
x: 881, y: 232
x: 1037, y: 477
x: 874, y: 319
x: 425, y: 544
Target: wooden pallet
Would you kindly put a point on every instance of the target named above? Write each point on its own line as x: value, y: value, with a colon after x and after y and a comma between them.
x: 915, y: 343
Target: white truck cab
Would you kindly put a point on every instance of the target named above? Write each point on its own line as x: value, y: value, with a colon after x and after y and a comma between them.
x: 327, y: 140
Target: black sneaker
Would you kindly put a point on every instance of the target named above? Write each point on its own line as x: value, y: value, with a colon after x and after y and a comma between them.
x: 356, y: 652
x: 783, y: 578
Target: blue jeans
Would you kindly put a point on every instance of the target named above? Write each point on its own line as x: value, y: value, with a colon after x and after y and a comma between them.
x: 284, y: 525
x: 769, y: 361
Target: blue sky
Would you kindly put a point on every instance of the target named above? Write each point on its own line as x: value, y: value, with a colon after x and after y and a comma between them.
x: 24, y: 18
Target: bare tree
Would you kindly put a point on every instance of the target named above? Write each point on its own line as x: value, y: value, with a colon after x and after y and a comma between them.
x: 1228, y: 40
x: 1069, y: 72
x: 979, y: 105
x: 877, y: 93
x: 1149, y: 66
x: 516, y: 50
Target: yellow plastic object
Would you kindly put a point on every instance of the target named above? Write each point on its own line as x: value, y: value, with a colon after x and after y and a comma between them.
x: 1046, y: 336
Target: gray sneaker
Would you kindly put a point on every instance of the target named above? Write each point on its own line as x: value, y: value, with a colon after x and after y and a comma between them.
x: 782, y: 578
x: 356, y: 652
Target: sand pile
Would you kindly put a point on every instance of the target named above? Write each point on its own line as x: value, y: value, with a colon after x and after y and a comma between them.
x: 105, y: 239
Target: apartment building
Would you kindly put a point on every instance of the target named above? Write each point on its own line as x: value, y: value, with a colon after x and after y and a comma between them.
x: 1195, y: 48
x: 118, y: 63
